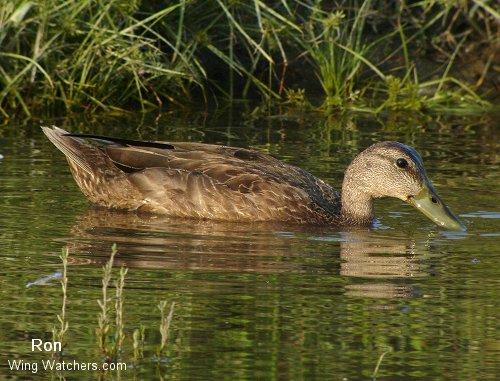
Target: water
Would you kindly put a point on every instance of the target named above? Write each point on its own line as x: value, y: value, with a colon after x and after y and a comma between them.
x: 261, y: 301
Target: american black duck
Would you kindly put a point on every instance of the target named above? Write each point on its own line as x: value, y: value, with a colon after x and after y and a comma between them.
x: 227, y: 183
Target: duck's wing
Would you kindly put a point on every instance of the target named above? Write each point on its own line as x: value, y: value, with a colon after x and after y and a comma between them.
x: 240, y: 169
x: 260, y: 176
x: 235, y: 167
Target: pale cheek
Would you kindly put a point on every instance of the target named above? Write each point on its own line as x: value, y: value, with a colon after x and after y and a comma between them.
x: 412, y: 187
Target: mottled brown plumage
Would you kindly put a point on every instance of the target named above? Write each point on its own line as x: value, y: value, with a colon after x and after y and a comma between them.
x: 226, y: 183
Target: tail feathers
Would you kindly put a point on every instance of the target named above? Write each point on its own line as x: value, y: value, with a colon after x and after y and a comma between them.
x: 76, y: 150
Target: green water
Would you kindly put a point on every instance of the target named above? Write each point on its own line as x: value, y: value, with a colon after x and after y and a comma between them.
x: 261, y: 301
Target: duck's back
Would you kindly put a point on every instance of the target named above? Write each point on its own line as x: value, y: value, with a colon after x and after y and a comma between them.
x: 195, y: 180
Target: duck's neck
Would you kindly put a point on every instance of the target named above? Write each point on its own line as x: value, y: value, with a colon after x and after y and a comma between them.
x: 356, y: 200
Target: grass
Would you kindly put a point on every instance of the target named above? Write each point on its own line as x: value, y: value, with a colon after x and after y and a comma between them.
x: 115, y: 55
x: 338, y: 52
x: 59, y: 334
x: 103, y: 318
x: 119, y: 322
x: 111, y: 352
x: 165, y: 324
x: 379, y: 363
x: 111, y: 335
x: 138, y: 343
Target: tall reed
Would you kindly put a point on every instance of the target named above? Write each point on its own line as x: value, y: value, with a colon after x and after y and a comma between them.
x: 165, y: 322
x: 59, y: 334
x: 119, y: 321
x: 103, y: 318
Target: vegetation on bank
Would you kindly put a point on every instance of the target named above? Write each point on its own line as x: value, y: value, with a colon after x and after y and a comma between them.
x: 324, y: 55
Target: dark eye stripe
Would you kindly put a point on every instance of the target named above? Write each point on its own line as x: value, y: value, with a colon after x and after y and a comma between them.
x: 402, y: 163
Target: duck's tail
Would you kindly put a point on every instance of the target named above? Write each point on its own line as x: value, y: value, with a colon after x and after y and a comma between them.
x: 94, y: 172
x: 79, y: 153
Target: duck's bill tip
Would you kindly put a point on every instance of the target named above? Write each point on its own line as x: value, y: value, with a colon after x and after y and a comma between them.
x: 429, y: 204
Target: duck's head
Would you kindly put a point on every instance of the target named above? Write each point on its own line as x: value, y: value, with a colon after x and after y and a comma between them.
x: 392, y: 169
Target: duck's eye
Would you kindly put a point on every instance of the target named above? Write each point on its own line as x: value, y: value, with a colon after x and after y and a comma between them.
x: 402, y: 163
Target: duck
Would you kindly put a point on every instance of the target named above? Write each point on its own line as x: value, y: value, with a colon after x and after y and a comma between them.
x: 206, y: 181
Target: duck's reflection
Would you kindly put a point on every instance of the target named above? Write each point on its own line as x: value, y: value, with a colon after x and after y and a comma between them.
x: 375, y: 264
x: 156, y: 242
x: 370, y: 256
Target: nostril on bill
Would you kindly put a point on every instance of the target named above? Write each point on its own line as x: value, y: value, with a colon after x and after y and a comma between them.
x: 434, y: 200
